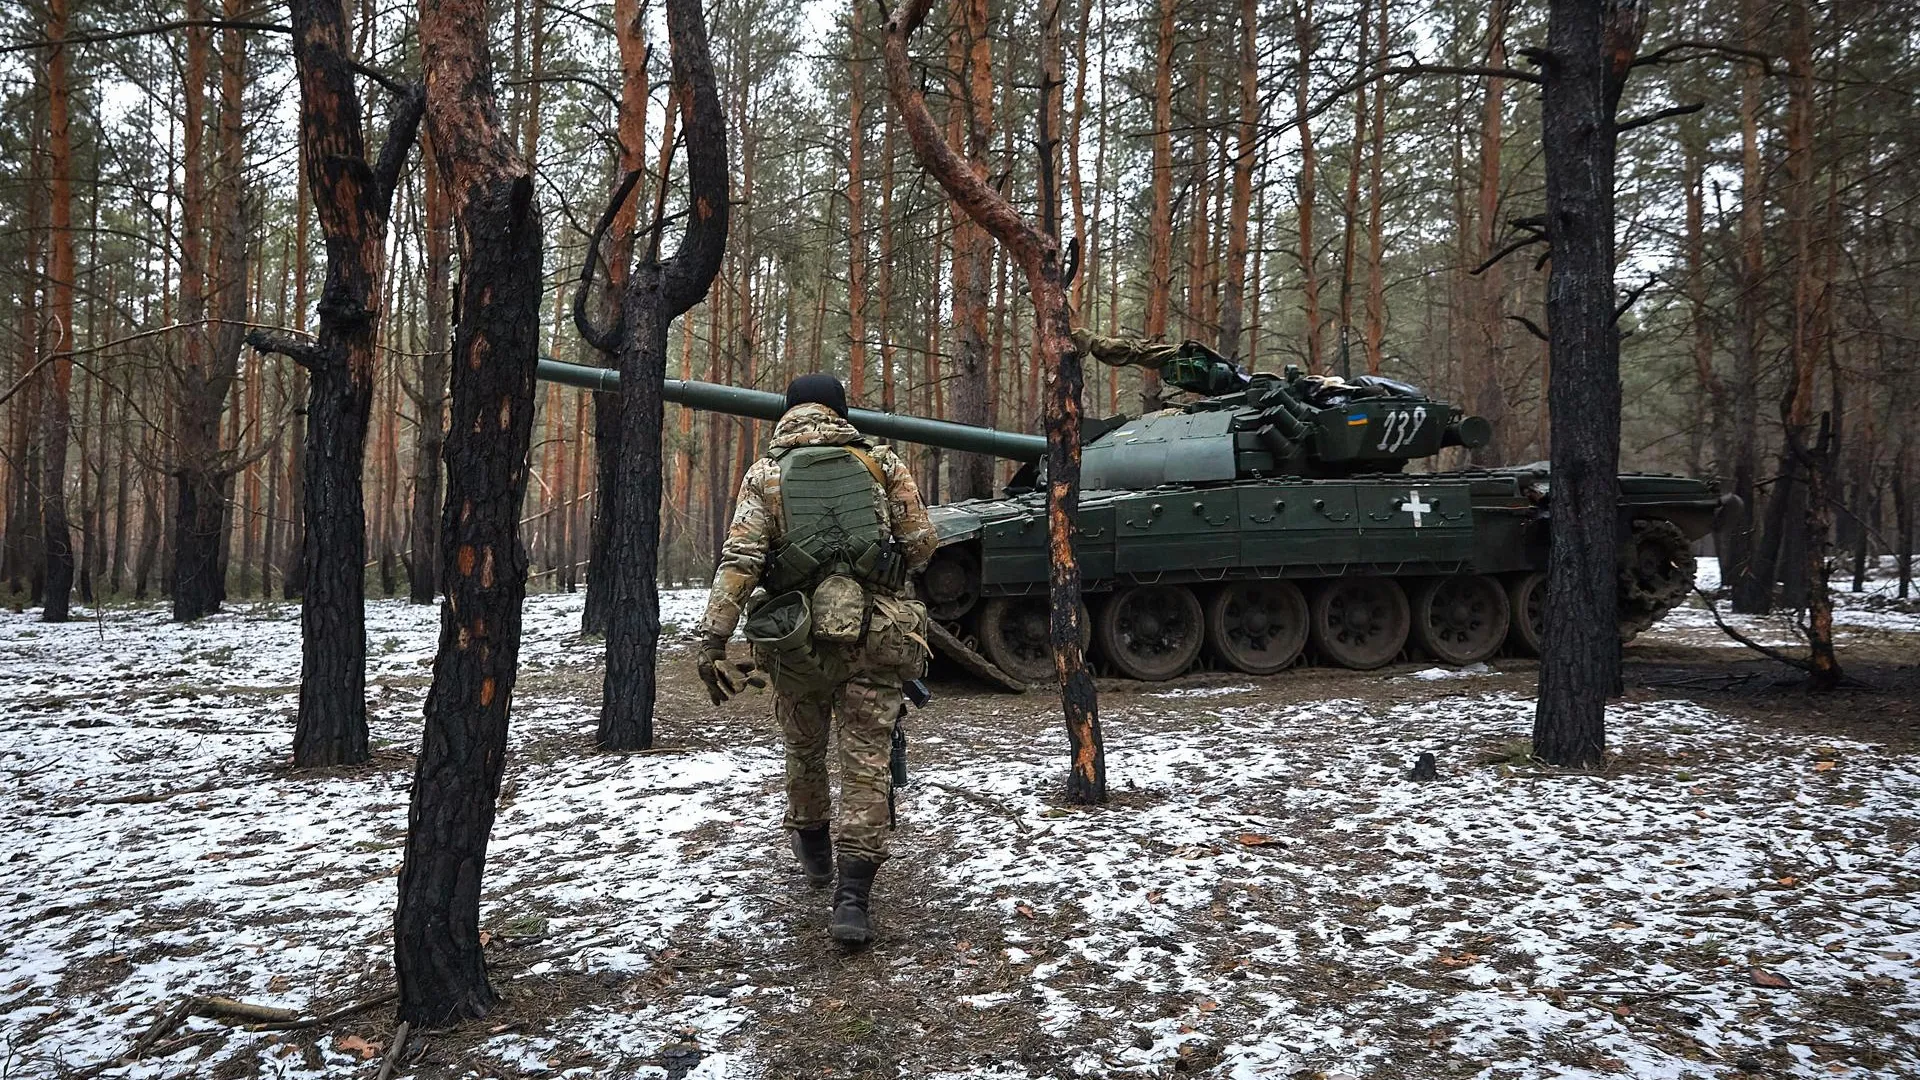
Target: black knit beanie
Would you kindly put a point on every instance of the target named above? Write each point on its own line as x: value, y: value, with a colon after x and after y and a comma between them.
x: 818, y: 388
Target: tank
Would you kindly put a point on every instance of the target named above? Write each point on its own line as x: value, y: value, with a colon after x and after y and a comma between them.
x: 1259, y: 521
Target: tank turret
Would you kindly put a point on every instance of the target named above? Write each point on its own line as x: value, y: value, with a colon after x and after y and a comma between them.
x: 1240, y: 425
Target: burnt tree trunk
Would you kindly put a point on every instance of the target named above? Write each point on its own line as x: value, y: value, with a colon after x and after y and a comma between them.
x: 1038, y: 251
x: 353, y: 199
x: 1589, y: 49
x: 483, y: 565
x: 656, y: 293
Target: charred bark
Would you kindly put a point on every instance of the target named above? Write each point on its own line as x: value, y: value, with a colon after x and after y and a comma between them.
x: 353, y: 199
x: 483, y: 571
x: 656, y: 293
x: 1590, y: 47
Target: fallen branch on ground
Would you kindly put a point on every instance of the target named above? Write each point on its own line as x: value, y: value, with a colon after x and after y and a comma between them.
x: 264, y: 1017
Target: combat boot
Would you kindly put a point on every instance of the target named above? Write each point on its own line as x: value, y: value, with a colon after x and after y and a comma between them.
x: 813, y: 846
x: 850, y: 925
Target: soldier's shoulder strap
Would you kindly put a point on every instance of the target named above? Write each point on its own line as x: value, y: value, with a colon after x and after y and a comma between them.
x: 879, y: 474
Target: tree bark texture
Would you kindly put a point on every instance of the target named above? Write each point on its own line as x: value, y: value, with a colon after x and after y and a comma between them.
x: 970, y: 476
x: 1752, y: 590
x: 1038, y: 252
x: 1488, y: 345
x: 1304, y: 39
x: 1160, y: 225
x: 1591, y: 46
x: 656, y: 293
x: 56, y: 536
x: 630, y: 33
x: 353, y: 199
x: 1232, y: 301
x: 437, y: 954
x: 430, y: 433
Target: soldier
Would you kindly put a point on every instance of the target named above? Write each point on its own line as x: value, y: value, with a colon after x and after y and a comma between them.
x: 829, y: 525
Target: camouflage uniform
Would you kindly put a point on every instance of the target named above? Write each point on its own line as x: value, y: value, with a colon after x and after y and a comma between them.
x: 864, y: 705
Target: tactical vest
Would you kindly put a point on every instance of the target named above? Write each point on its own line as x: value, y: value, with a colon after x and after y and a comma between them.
x: 832, y: 521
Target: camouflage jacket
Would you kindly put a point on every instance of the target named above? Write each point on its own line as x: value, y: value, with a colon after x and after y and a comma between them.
x: 757, y: 517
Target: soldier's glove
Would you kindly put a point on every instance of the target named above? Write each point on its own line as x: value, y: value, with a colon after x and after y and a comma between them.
x: 725, y: 678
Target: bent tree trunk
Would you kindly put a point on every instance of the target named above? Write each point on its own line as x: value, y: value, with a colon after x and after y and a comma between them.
x: 1038, y: 252
x: 483, y: 565
x: 656, y: 293
x: 352, y: 199
x: 1580, y: 655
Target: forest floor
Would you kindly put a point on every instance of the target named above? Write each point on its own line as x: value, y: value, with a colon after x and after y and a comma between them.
x: 1267, y: 895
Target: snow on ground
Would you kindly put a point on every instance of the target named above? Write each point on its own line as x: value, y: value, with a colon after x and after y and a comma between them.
x: 1267, y: 897
x: 1875, y: 610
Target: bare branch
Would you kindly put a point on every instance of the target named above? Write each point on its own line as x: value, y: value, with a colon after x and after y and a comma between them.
x: 1665, y: 54
x: 1764, y: 650
x: 1523, y: 242
x: 1633, y: 295
x: 146, y: 31
x: 304, y: 353
x: 1655, y: 117
x: 605, y: 339
x: 1532, y: 327
x: 400, y: 136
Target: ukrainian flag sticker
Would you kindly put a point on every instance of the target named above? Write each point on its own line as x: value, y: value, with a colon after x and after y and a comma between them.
x: 1357, y: 420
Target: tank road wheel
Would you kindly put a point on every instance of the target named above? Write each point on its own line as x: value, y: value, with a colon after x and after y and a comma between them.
x: 1527, y: 602
x: 1014, y: 635
x: 1151, y: 632
x: 1360, y: 622
x: 1258, y: 627
x: 1460, y: 619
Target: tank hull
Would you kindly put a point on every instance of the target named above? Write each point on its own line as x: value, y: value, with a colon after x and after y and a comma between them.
x: 1437, y: 544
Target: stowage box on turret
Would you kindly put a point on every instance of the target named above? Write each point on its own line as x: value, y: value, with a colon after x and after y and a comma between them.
x: 1265, y: 518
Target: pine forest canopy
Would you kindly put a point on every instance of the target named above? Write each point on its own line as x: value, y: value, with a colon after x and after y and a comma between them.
x: 1312, y: 182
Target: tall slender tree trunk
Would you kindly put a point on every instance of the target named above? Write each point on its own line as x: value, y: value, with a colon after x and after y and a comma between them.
x: 1038, y: 251
x: 657, y: 292
x: 200, y: 396
x: 1305, y: 41
x: 1592, y: 47
x: 437, y: 953
x: 970, y: 476
x: 430, y: 433
x: 1350, y: 209
x: 630, y: 32
x: 56, y: 536
x: 1376, y: 204
x: 293, y: 570
x: 1160, y: 225
x: 856, y: 206
x: 1487, y: 347
x: 1246, y: 144
x: 1752, y: 587
x: 353, y: 198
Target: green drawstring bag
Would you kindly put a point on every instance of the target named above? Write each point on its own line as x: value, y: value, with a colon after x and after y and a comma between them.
x: 780, y: 629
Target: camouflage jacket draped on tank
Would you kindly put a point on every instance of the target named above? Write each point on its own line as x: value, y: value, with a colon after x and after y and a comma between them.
x: 757, y: 517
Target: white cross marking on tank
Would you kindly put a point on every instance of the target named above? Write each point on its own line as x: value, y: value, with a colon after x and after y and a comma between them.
x: 1414, y: 506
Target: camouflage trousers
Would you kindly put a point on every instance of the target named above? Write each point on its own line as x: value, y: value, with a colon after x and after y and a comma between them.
x: 861, y: 712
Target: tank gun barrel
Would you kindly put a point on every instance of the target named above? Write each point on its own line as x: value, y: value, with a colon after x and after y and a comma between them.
x: 762, y: 405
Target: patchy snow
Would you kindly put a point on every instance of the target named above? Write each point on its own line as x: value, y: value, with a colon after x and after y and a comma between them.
x: 1857, y: 616
x: 1268, y: 896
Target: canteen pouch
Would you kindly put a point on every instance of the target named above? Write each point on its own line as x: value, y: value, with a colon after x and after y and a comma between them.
x: 839, y: 610
x: 780, y: 629
x: 897, y: 636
